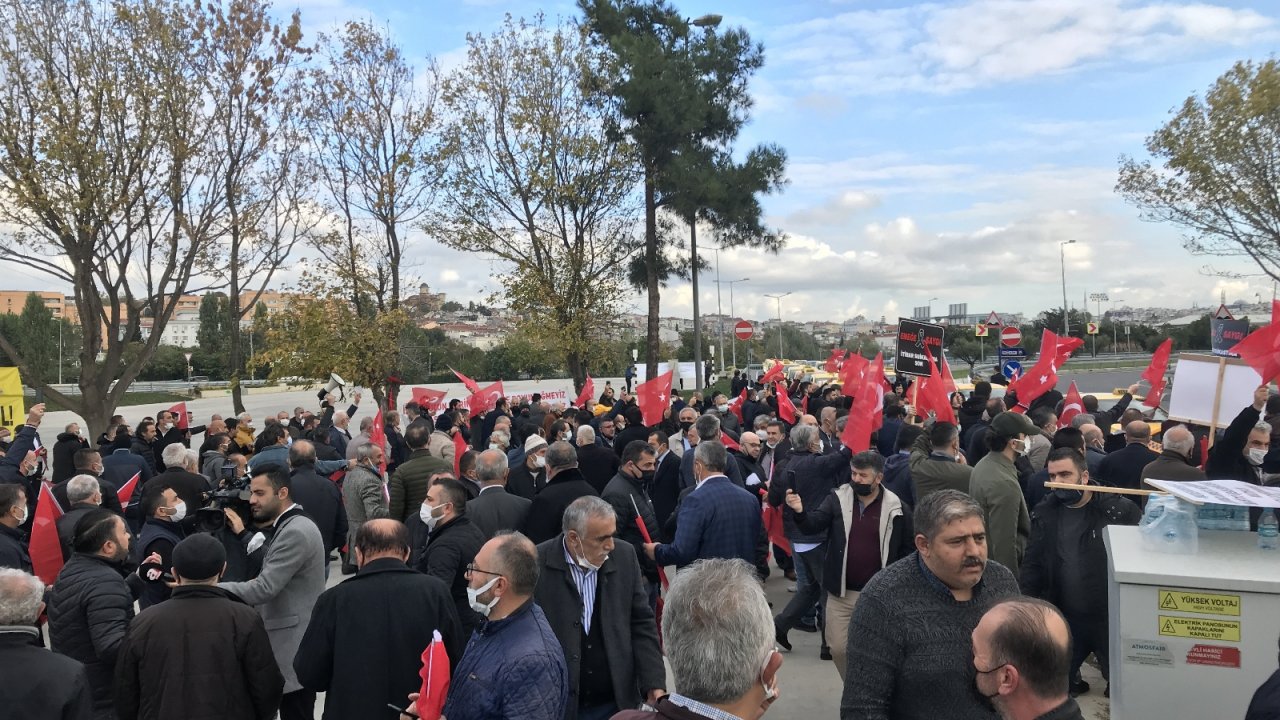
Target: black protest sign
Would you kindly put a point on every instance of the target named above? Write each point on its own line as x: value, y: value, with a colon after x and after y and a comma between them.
x: 913, y: 337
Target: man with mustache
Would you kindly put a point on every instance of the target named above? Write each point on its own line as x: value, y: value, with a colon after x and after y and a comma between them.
x: 909, y: 639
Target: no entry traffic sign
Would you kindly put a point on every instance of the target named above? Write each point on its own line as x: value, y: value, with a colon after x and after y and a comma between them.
x: 744, y: 330
x: 1010, y: 336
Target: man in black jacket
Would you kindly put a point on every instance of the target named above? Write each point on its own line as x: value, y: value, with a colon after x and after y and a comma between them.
x: 364, y: 644
x: 143, y: 445
x: 89, y: 462
x: 598, y: 463
x: 64, y: 451
x: 174, y: 651
x: 596, y: 604
x: 320, y: 498
x: 1066, y: 561
x: 627, y: 493
x: 452, y: 544
x: 82, y: 496
x: 494, y: 509
x: 1243, y: 447
x: 1123, y: 468
x: 13, y: 514
x: 565, y: 484
x: 90, y: 605
x: 39, y: 683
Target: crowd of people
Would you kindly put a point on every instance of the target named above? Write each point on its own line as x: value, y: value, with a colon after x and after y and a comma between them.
x: 533, y: 543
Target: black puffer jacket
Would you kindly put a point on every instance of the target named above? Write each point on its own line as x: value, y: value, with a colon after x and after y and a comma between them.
x: 201, y: 654
x: 89, y: 612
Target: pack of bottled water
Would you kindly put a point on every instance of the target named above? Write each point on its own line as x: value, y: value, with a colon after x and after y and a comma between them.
x: 1170, y: 525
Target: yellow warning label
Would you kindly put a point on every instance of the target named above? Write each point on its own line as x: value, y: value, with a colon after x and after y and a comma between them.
x: 1200, y: 629
x: 1193, y: 601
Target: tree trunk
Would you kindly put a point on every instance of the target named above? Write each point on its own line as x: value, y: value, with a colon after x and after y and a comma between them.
x: 651, y: 273
x: 577, y: 365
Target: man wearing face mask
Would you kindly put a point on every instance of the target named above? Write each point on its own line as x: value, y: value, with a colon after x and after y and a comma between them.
x: 595, y: 601
x: 1020, y: 653
x: 452, y: 542
x: 1066, y: 561
x: 13, y: 514
x: 529, y: 477
x: 1243, y: 447
x: 161, y: 532
x: 679, y: 442
x: 513, y: 666
x: 628, y: 492
x: 748, y: 457
x: 90, y: 605
x: 728, y: 420
x: 995, y: 486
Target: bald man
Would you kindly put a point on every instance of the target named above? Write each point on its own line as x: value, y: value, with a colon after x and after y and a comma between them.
x: 1123, y: 468
x: 1174, y: 462
x: 1021, y: 657
x: 1093, y: 453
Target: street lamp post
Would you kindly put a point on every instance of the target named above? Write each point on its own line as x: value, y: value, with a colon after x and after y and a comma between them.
x: 779, y: 299
x: 1062, y: 257
x: 1115, y: 335
x: 59, y: 351
x: 1098, y: 298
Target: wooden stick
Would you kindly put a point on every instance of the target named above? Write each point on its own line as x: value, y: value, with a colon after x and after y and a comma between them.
x: 1101, y: 488
x: 1217, y: 400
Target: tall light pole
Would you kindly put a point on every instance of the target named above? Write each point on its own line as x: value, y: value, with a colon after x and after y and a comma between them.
x: 1115, y: 335
x: 1062, y: 257
x: 779, y: 299
x: 733, y: 339
x: 1098, y: 298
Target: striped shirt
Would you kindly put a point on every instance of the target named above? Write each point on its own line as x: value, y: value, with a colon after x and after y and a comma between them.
x: 586, y: 581
x: 713, y: 713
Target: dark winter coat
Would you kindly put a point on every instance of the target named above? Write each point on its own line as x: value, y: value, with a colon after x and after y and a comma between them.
x: 407, y: 487
x: 626, y: 495
x: 449, y: 549
x: 321, y: 500
x: 495, y: 509
x: 90, y: 607
x: 64, y: 452
x: 202, y: 654
x: 13, y: 549
x: 42, y: 685
x: 546, y: 514
x: 813, y: 477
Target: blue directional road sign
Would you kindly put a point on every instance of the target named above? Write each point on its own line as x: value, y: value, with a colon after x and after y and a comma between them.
x: 1010, y: 367
x: 1013, y: 352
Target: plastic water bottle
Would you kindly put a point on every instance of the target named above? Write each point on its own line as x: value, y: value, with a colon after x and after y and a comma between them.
x: 1268, y: 530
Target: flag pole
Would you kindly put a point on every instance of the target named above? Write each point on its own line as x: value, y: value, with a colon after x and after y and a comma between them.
x: 1217, y: 400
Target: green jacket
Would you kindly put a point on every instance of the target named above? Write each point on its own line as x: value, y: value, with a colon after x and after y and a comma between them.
x: 933, y: 474
x: 408, y: 484
x: 994, y: 485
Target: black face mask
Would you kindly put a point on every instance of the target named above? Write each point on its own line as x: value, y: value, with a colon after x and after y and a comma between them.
x: 1070, y: 497
x: 986, y: 701
x: 862, y: 490
x: 685, y: 425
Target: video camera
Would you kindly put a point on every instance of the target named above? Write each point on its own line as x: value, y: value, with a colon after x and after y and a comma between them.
x: 232, y: 492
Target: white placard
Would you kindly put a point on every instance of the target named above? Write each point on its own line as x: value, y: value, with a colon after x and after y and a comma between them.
x: 1221, y: 492
x: 1195, y: 383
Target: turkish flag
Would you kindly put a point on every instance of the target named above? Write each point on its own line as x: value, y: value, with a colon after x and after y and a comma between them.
x: 1261, y: 350
x: 948, y: 382
x: 180, y: 410
x: 932, y: 395
x: 1275, y: 311
x: 735, y: 405
x: 774, y: 374
x: 728, y: 442
x: 1154, y: 373
x: 1072, y: 405
x: 1066, y: 346
x: 851, y: 372
x: 125, y: 493
x: 653, y: 397
x: 459, y: 449
x: 45, y: 547
x: 1043, y: 376
x: 378, y: 437
x: 435, y: 679
x: 429, y: 400
x: 833, y: 361
x: 867, y: 412
x: 786, y: 408
x: 471, y: 385
x: 774, y: 527
x: 588, y: 391
x: 804, y: 404
x: 485, y: 399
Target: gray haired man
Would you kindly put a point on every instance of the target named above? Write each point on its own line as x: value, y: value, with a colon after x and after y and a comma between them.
x: 44, y: 684
x: 596, y: 602
x: 909, y: 639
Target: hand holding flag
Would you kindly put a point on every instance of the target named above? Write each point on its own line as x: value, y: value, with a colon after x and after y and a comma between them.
x: 1154, y: 374
x: 435, y: 679
x: 588, y: 391
x: 653, y: 397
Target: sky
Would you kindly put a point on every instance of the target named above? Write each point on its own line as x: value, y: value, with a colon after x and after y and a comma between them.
x: 936, y: 150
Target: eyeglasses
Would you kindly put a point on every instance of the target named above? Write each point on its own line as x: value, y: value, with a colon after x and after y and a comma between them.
x: 471, y: 568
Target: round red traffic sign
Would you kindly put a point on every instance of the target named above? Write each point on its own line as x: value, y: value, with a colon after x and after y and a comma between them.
x: 1010, y: 336
x: 744, y: 330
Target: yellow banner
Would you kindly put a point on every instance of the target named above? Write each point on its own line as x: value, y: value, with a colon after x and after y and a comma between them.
x: 12, y: 412
x: 1194, y: 601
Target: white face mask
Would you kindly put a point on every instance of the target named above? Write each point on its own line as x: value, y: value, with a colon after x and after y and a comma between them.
x: 22, y: 519
x: 564, y: 436
x: 1257, y: 455
x: 723, y: 407
x: 1025, y: 447
x: 428, y: 515
x: 495, y: 446
x: 473, y: 595
x: 763, y: 435
x: 586, y: 564
x: 179, y: 512
x: 539, y: 461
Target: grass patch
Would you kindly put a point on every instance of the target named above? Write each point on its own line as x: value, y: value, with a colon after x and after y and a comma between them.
x: 130, y: 398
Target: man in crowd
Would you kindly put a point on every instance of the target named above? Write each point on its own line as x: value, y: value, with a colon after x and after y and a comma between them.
x: 494, y: 509
x: 1021, y: 651
x: 89, y: 462
x: 180, y: 474
x: 679, y: 441
x: 936, y: 462
x: 728, y: 420
x: 909, y: 638
x: 1123, y: 468
x: 144, y: 444
x: 292, y: 577
x: 39, y: 684
x: 83, y: 496
x: 90, y: 605
x: 13, y: 514
x: 364, y: 644
x: 716, y: 520
x: 529, y: 476
x: 64, y: 450
x: 596, y: 602
x: 1041, y: 442
x: 1174, y: 462
x: 748, y: 457
x: 363, y: 495
x: 707, y: 429
x: 1243, y: 447
x: 635, y: 429
x: 320, y: 498
x: 362, y: 438
x: 565, y: 483
x: 717, y: 631
x: 514, y: 666
x: 627, y: 494
x: 339, y: 435
x: 975, y: 444
x: 995, y: 487
x: 452, y: 542
x: 121, y: 464
x: 867, y: 528
x: 408, y: 484
x: 598, y: 464
x: 173, y: 651
x: 1066, y: 561
x: 275, y: 451
x: 607, y: 431
x: 1104, y: 419
x: 161, y: 532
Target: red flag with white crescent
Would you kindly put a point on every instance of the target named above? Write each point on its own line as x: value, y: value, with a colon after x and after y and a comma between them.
x: 429, y: 400
x: 45, y: 547
x: 125, y: 493
x: 588, y: 392
x: 435, y: 679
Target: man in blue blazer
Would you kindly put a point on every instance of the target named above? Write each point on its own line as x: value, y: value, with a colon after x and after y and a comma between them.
x: 717, y: 520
